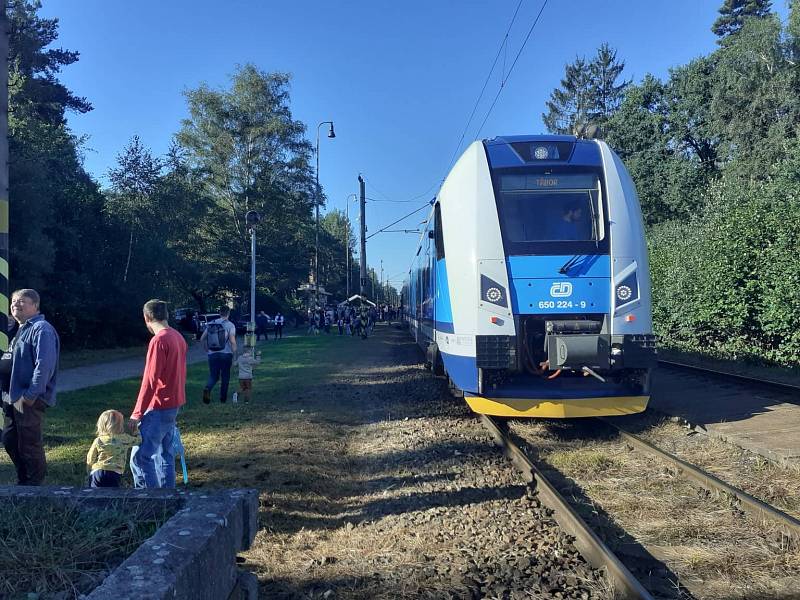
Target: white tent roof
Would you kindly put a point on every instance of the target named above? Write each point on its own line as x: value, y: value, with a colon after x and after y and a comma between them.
x: 359, y: 297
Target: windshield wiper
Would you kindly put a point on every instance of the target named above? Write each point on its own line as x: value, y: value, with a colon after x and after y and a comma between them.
x: 569, y: 264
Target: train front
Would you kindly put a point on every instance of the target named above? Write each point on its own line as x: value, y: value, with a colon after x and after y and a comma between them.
x: 561, y: 311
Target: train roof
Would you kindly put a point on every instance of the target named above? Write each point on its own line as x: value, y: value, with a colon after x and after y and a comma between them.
x: 526, y: 150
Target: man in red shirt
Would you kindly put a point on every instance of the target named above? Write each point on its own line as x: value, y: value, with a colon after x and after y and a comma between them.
x: 162, y: 393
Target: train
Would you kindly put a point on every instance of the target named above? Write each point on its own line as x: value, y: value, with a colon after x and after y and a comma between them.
x: 530, y: 287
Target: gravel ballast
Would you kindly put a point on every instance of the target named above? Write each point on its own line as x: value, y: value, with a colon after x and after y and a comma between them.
x: 402, y: 494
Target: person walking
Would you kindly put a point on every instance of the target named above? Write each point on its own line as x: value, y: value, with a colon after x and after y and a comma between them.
x: 262, y: 320
x: 219, y: 340
x: 162, y: 393
x: 33, y: 357
x: 279, y: 319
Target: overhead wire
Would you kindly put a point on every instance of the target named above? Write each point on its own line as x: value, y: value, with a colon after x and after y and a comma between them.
x: 426, y: 205
x: 503, y: 81
x: 511, y: 69
x: 503, y: 44
x: 387, y: 200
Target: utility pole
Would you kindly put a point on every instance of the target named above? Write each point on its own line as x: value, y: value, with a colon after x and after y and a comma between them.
x: 252, y: 218
x: 4, y: 173
x: 381, y: 282
x: 363, y: 273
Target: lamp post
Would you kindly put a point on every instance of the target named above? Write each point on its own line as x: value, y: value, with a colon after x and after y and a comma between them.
x: 347, y: 237
x: 331, y: 134
x: 252, y: 218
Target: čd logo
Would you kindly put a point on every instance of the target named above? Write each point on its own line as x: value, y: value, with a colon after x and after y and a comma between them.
x: 561, y: 289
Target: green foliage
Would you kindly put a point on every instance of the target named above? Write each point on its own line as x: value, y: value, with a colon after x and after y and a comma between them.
x: 734, y: 13
x: 589, y: 93
x: 169, y: 227
x: 669, y: 179
x: 713, y: 151
x: 754, y: 104
x: 245, y: 152
x: 729, y: 281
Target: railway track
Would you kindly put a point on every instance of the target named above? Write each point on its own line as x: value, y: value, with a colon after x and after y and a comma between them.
x: 776, y: 531
x: 793, y: 391
x: 753, y: 506
x: 586, y: 540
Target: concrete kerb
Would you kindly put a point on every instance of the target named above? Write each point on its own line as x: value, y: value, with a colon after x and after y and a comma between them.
x: 191, y: 556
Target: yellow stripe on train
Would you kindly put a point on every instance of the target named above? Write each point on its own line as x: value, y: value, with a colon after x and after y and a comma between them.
x: 566, y: 408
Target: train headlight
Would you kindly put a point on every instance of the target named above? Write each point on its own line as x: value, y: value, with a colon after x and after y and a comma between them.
x: 541, y: 153
x: 493, y: 292
x: 624, y: 293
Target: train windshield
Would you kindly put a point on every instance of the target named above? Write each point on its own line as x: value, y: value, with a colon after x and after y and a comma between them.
x: 546, y: 212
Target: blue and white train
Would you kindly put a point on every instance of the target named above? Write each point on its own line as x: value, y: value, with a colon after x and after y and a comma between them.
x: 530, y: 288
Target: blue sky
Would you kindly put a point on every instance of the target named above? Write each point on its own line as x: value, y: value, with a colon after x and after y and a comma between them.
x: 399, y: 79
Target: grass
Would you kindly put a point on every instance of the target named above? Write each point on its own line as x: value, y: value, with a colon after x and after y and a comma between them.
x: 287, y: 368
x: 713, y: 549
x: 64, y: 549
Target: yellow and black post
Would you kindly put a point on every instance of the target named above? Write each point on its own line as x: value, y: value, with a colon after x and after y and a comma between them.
x: 4, y: 291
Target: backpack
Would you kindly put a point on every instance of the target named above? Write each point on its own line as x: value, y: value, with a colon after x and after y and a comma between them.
x: 216, y: 336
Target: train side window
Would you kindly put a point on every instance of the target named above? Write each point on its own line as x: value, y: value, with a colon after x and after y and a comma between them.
x: 438, y: 235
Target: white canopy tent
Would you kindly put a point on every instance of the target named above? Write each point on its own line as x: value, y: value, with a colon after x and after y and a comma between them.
x: 358, y: 297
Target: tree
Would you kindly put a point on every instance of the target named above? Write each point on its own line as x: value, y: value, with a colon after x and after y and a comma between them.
x: 247, y: 153
x: 570, y: 104
x: 33, y: 69
x: 669, y: 181
x: 754, y: 103
x: 134, y: 182
x: 734, y: 13
x: 589, y: 94
x: 336, y: 243
x: 607, y: 94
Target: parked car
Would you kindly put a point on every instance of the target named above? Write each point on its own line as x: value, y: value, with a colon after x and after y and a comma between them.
x: 241, y: 324
x: 204, y: 320
x: 183, y: 318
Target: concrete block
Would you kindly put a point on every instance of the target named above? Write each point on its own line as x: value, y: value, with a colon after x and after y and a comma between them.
x: 192, y: 556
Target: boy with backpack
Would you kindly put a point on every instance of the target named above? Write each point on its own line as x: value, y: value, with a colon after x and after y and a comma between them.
x: 219, y: 340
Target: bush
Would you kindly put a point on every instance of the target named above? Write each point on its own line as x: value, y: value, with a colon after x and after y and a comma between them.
x: 728, y: 281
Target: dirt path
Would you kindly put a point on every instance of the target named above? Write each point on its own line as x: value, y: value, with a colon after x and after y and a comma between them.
x: 377, y: 485
x: 78, y: 378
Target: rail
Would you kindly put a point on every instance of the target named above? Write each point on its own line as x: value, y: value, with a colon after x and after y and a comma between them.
x: 588, y: 543
x: 778, y: 385
x: 754, y: 506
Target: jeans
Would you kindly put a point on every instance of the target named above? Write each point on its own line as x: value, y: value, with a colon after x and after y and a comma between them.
x: 219, y: 366
x: 22, y: 438
x: 138, y: 474
x: 101, y: 478
x: 157, y: 429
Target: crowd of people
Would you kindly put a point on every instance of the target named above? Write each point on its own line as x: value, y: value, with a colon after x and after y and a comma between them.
x: 28, y: 374
x: 349, y: 319
x: 29, y: 370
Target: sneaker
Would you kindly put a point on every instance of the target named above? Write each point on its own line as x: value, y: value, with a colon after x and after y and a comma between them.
x: 235, y: 397
x: 206, y: 396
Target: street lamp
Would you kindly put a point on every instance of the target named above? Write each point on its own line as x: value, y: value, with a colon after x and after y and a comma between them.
x: 347, y: 236
x: 252, y: 218
x: 331, y: 134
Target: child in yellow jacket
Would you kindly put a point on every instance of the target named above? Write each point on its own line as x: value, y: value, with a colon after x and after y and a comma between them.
x: 107, y: 456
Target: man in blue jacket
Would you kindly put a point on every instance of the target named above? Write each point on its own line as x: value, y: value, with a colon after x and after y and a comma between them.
x: 32, y: 388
